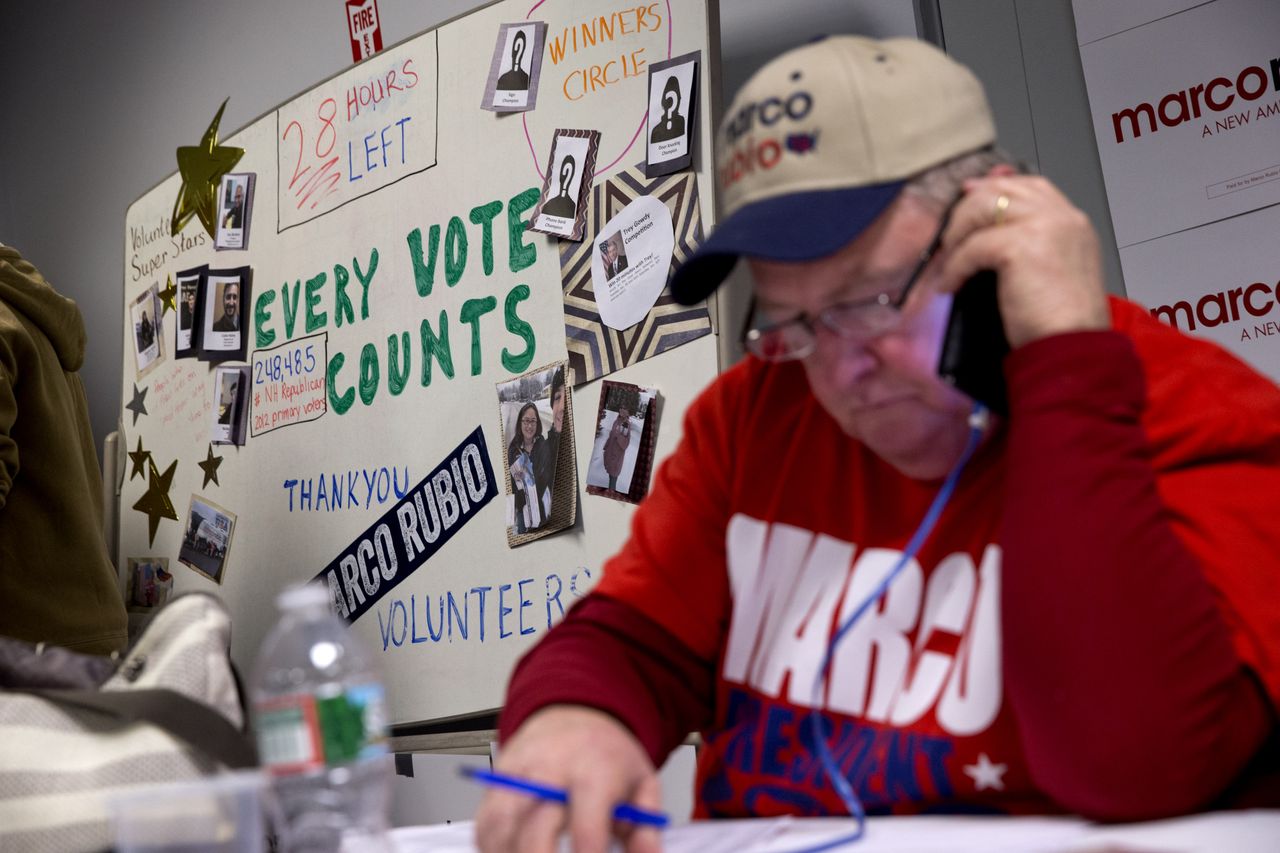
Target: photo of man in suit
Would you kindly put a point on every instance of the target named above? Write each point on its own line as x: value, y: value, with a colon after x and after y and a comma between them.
x: 614, y: 255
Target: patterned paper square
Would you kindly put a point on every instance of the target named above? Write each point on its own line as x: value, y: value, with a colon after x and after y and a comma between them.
x: 595, y: 350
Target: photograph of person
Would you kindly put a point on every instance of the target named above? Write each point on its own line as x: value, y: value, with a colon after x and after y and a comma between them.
x: 1089, y: 627
x: 222, y: 314
x: 229, y: 298
x: 619, y: 430
x: 525, y: 446
x: 207, y: 538
x: 233, y: 205
x: 230, y: 384
x: 145, y: 314
x: 189, y: 282
x: 673, y: 90
x: 614, y: 254
x: 235, y: 201
x: 533, y: 411
x: 512, y: 85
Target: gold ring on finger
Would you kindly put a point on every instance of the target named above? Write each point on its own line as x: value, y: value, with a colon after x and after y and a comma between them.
x: 1002, y: 207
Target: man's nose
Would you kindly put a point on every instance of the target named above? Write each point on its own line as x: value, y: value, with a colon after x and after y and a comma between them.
x: 847, y: 361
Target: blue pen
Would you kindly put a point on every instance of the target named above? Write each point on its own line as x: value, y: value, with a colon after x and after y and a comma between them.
x: 622, y: 811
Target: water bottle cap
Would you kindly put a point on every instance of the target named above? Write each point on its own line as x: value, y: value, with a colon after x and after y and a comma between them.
x: 303, y: 596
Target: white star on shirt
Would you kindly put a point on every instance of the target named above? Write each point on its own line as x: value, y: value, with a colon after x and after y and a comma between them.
x: 985, y: 774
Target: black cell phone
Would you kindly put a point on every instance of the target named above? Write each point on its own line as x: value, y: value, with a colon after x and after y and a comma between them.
x: 974, y: 345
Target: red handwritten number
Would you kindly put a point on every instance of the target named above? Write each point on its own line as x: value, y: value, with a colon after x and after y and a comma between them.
x: 328, y: 128
x: 298, y: 171
x: 325, y: 177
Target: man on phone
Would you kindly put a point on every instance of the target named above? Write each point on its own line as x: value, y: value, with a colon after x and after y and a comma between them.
x: 1090, y: 625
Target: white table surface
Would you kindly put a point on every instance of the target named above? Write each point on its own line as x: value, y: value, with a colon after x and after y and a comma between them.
x: 1217, y: 832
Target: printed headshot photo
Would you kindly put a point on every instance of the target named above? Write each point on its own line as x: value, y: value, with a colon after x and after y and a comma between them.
x: 613, y: 254
x: 235, y: 200
x: 568, y: 176
x: 206, y: 540
x: 144, y: 314
x: 231, y: 385
x: 226, y: 297
x: 673, y: 89
x: 189, y: 283
x: 533, y: 411
x: 512, y: 85
x: 148, y: 582
x: 619, y: 431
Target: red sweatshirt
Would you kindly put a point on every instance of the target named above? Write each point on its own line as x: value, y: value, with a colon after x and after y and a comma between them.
x: 1094, y: 624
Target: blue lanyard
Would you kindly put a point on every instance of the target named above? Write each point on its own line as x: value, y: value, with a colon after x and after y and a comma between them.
x: 979, y: 418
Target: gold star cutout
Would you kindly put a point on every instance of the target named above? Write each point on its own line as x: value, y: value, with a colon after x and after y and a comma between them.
x: 202, y: 167
x: 167, y: 296
x: 155, y: 503
x: 139, y: 458
x: 210, y: 467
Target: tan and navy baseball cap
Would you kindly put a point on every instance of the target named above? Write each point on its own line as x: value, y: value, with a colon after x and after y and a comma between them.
x: 820, y: 141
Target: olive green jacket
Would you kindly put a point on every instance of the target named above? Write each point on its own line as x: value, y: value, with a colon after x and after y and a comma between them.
x: 57, y: 584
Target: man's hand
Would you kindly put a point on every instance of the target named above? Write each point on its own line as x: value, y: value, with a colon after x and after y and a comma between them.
x: 591, y: 755
x: 1042, y: 248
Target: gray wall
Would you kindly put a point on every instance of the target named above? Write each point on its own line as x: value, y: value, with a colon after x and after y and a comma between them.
x: 1025, y: 53
x: 98, y: 95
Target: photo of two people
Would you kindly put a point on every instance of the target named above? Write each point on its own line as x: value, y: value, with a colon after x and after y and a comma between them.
x: 533, y: 416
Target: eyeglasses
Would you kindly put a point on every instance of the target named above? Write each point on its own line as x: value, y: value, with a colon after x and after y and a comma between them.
x: 858, y: 320
x: 529, y: 421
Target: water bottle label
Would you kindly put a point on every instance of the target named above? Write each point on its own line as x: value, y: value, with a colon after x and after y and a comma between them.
x: 302, y: 732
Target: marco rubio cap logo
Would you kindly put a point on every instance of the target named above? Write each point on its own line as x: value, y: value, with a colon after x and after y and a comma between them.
x: 364, y: 28
x: 759, y: 132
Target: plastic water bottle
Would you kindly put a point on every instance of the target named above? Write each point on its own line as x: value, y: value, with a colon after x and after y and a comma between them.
x: 320, y: 718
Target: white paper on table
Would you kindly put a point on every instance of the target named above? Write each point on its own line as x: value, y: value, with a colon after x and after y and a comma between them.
x: 1249, y: 831
x: 719, y: 836
x: 649, y: 240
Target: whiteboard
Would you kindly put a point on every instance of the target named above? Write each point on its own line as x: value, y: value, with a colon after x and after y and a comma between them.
x: 355, y: 182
